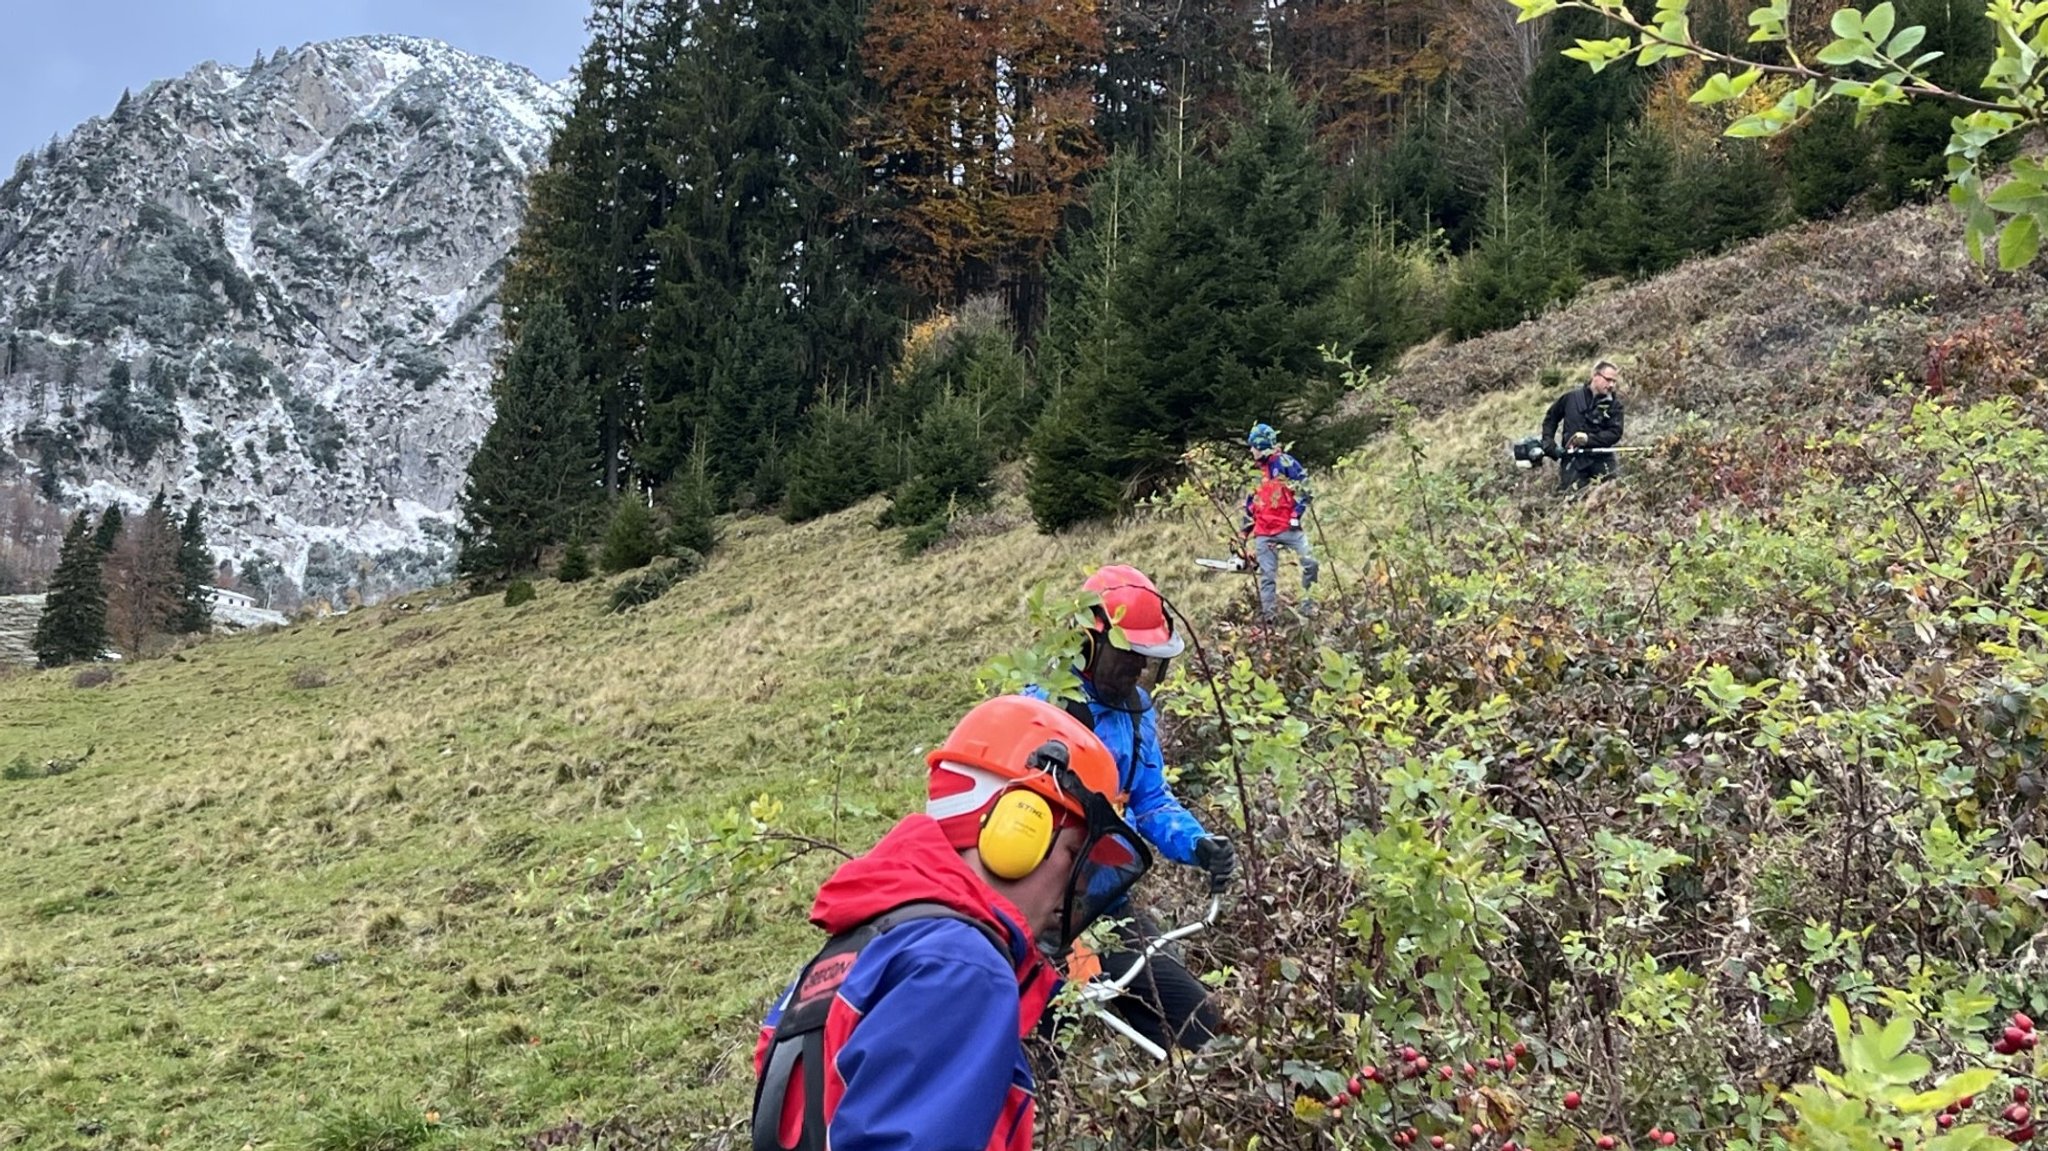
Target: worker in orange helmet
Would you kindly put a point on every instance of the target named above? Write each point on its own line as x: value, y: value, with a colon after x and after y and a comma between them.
x: 1132, y: 639
x: 907, y: 1029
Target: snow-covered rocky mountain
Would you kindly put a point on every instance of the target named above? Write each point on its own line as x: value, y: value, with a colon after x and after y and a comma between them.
x: 273, y: 289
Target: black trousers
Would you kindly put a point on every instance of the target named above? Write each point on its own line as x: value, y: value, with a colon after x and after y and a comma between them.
x: 1166, y: 1003
x: 1575, y: 472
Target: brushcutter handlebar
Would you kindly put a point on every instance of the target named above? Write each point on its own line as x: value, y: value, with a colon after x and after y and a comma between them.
x: 1097, y: 993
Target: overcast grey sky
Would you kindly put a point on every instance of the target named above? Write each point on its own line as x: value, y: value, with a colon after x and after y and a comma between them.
x: 67, y: 60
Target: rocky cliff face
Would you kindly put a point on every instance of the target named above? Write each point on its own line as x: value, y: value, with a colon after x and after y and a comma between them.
x: 274, y: 290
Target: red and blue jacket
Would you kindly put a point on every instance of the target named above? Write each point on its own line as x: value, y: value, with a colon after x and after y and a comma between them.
x: 1281, y: 497
x: 923, y: 1042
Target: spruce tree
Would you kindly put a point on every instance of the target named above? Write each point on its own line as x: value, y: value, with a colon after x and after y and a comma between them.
x: 109, y: 529
x: 535, y: 474
x: 575, y: 565
x: 195, y: 566
x: 767, y: 292
x: 630, y: 542
x: 691, y: 503
x: 839, y: 461
x: 73, y: 626
x: 1223, y: 292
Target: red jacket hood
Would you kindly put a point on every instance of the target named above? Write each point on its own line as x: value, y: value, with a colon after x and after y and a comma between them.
x: 915, y: 864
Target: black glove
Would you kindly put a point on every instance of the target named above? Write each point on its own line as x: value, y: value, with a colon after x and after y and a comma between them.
x: 1216, y: 856
x: 1550, y: 449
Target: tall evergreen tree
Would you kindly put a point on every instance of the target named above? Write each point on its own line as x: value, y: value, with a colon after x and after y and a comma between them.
x: 195, y: 566
x: 767, y: 285
x: 109, y: 529
x: 535, y: 476
x: 591, y: 213
x: 73, y: 626
x: 1204, y: 313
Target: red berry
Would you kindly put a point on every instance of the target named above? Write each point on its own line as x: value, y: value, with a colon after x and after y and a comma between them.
x: 1409, y: 1054
x: 2020, y: 1020
x: 1656, y: 1133
x: 1945, y: 1121
x: 1443, y: 1073
x: 2020, y: 1134
x: 1604, y: 1143
x: 1508, y: 1146
x: 1572, y: 1099
x: 1492, y: 1064
x: 1478, y: 1129
x: 2018, y: 1113
x: 1667, y: 1139
x: 1354, y: 1087
x: 1421, y: 1064
x: 1509, y: 1062
x: 1966, y: 1102
x: 1521, y: 1049
x: 2015, y: 1036
x: 1437, y: 1141
x: 2032, y: 1038
x: 1370, y: 1074
x: 2020, y: 1094
x: 2003, y: 1047
x: 1471, y: 1072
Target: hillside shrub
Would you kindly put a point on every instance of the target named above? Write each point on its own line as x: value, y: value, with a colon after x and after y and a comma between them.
x: 649, y: 584
x: 519, y: 592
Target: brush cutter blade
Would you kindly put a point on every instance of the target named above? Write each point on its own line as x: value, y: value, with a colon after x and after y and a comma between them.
x: 1233, y: 564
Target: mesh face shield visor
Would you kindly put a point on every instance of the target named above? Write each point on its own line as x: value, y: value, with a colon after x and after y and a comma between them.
x: 1111, y: 861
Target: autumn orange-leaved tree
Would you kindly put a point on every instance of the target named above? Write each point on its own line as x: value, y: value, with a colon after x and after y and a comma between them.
x: 976, y: 137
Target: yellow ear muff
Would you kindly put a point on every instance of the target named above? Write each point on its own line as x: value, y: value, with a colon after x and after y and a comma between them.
x: 1016, y: 833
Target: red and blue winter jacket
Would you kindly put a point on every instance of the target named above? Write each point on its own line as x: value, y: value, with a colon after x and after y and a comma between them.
x: 924, y: 1039
x: 1281, y: 497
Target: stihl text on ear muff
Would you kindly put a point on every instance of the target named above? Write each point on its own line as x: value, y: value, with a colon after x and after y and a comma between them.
x: 1016, y: 834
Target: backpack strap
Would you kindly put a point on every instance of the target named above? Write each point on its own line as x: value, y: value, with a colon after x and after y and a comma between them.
x: 799, y: 1039
x: 1079, y: 709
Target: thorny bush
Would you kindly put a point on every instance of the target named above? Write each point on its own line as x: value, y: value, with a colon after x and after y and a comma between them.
x: 1634, y: 837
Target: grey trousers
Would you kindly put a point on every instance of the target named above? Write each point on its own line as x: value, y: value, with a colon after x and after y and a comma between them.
x: 1267, y: 548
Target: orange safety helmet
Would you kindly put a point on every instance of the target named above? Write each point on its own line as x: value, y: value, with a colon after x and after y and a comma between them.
x: 996, y: 746
x: 1134, y: 605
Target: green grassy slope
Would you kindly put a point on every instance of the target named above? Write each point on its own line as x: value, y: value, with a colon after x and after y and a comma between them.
x: 366, y: 882
x: 256, y: 910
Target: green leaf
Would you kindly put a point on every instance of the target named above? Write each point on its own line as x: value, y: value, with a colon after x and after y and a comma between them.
x: 2017, y: 196
x: 1534, y: 9
x: 1844, y: 51
x: 1877, y: 27
x: 1971, y: 1082
x: 1975, y: 1137
x: 1908, y: 39
x: 1838, y: 1015
x: 2019, y: 242
x: 1847, y: 23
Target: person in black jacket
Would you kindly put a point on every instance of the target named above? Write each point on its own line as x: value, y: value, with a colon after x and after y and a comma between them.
x: 1589, y: 417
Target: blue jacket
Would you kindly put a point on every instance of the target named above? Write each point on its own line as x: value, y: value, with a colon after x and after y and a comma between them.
x: 1141, y: 772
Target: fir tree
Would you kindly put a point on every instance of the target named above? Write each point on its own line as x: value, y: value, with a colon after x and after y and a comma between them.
x: 575, y: 565
x: 766, y: 288
x: 838, y: 462
x: 951, y: 465
x: 73, y: 626
x: 195, y: 565
x: 691, y: 503
x: 535, y: 474
x: 109, y: 529
x: 630, y: 542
